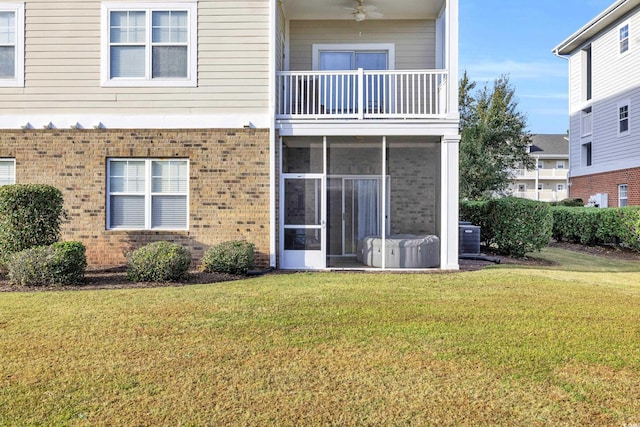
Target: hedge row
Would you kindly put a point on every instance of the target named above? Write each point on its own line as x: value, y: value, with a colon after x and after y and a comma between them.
x: 592, y: 226
x: 512, y: 226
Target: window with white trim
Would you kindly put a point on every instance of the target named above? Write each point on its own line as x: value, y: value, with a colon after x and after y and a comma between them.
x: 622, y: 195
x: 587, y: 121
x: 147, y: 194
x: 540, y: 164
x: 560, y: 164
x: 11, y: 44
x: 559, y: 187
x: 587, y: 159
x: 540, y: 187
x: 149, y: 44
x: 624, y: 38
x: 623, y: 119
x: 7, y: 171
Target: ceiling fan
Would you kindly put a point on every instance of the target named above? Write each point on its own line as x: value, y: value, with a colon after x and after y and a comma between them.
x: 362, y: 12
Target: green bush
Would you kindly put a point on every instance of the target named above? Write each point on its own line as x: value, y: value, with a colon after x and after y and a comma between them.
x: 510, y: 225
x: 159, y: 262
x: 30, y: 215
x: 572, y: 203
x: 63, y: 263
x: 595, y: 226
x: 233, y: 257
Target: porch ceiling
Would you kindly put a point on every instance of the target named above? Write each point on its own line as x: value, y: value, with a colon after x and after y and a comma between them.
x: 335, y: 9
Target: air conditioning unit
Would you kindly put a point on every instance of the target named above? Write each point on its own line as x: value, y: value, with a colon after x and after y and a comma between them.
x: 468, y: 239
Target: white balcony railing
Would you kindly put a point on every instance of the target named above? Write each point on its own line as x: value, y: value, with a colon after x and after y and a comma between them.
x: 362, y: 94
x: 555, y: 173
x: 542, y: 195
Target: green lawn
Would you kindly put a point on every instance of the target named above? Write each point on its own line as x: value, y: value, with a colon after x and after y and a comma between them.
x: 502, y: 346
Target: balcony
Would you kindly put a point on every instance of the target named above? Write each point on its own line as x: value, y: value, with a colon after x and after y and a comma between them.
x: 542, y: 195
x: 362, y: 95
x: 555, y: 174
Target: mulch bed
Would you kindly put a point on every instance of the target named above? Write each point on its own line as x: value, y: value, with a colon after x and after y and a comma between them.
x: 116, y: 278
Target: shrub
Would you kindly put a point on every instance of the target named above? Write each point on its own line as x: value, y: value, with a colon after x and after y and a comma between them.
x: 511, y: 225
x: 62, y: 263
x: 518, y: 226
x: 575, y: 203
x: 30, y: 215
x: 159, y: 262
x: 233, y: 257
x: 594, y: 226
x: 69, y: 262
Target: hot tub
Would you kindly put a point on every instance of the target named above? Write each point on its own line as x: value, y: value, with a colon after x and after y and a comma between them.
x: 401, y: 251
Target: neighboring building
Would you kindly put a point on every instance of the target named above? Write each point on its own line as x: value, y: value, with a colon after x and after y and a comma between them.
x: 297, y: 125
x: 548, y: 181
x: 604, y: 106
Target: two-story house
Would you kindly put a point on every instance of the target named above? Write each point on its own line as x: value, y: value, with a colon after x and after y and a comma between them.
x: 303, y: 126
x: 548, y: 181
x: 604, y: 101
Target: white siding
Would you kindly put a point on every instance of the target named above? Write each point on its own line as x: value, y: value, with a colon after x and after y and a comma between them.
x: 414, y: 40
x: 62, y: 65
x: 615, y: 79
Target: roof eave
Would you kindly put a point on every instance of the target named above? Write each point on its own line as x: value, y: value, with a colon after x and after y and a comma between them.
x: 593, y: 27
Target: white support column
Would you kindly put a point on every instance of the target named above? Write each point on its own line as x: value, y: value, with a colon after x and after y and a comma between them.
x: 449, y: 202
x: 273, y: 229
x: 452, y: 58
x: 384, y: 203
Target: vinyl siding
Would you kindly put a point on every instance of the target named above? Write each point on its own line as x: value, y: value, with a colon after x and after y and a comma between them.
x: 615, y: 80
x: 62, y: 63
x: 414, y: 40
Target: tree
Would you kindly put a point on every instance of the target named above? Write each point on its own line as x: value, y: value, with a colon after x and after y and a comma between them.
x: 494, y: 138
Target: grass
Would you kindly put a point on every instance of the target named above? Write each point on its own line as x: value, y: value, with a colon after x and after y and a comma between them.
x: 502, y: 346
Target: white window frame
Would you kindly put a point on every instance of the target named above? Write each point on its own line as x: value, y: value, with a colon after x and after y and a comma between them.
x: 12, y: 174
x: 623, y: 194
x: 191, y: 7
x: 559, y: 187
x: 148, y: 193
x: 18, y: 77
x: 624, y: 41
x: 586, y: 121
x: 587, y: 154
x: 560, y: 164
x: 540, y: 187
x: 620, y: 119
x: 390, y: 48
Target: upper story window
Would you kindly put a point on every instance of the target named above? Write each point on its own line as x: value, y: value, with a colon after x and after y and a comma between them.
x: 149, y: 44
x: 623, y: 119
x: 587, y: 74
x: 624, y: 38
x: 11, y: 44
x: 7, y: 171
x: 540, y: 164
x: 586, y: 154
x: 560, y: 164
x: 147, y: 194
x: 587, y: 121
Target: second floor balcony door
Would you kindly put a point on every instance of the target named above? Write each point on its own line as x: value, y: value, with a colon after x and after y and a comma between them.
x: 340, y: 91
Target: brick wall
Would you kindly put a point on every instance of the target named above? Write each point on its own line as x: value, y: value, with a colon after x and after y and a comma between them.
x: 229, y: 183
x: 588, y: 185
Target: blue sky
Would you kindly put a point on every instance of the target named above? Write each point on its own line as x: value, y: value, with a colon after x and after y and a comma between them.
x: 515, y: 37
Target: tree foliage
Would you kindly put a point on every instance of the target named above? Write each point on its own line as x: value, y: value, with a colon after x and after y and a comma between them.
x: 494, y: 138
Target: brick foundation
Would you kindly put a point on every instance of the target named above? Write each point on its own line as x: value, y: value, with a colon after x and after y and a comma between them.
x: 588, y: 185
x: 229, y: 183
